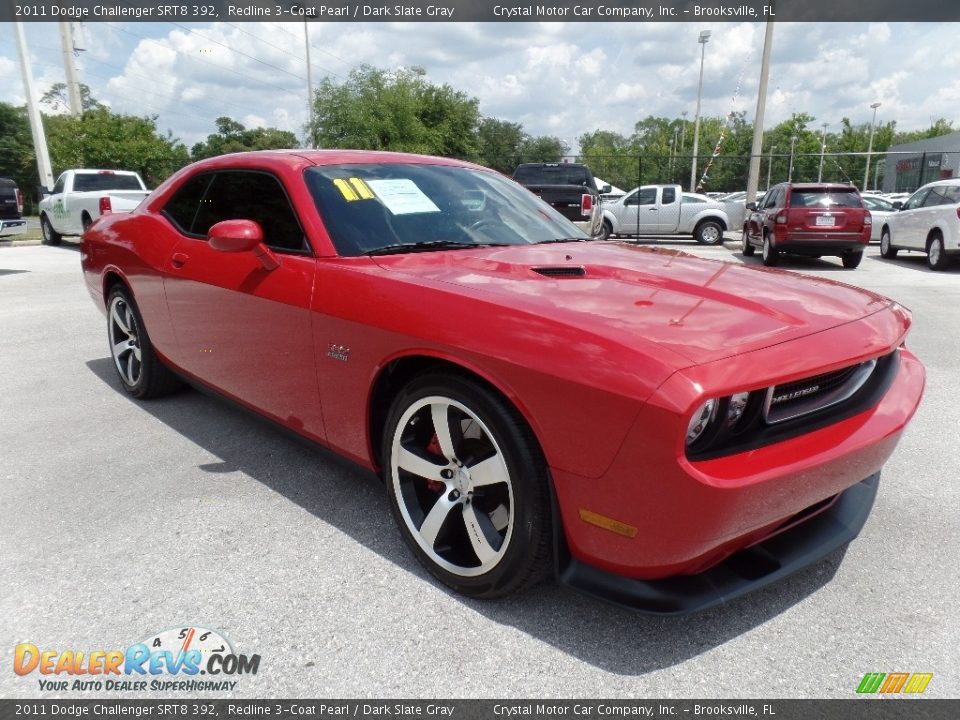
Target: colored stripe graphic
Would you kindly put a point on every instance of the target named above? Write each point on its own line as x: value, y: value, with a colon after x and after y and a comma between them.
x: 894, y: 682
x: 870, y: 682
x: 890, y: 683
x: 918, y: 682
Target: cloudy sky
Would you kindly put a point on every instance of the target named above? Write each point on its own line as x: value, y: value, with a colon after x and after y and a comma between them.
x: 561, y: 79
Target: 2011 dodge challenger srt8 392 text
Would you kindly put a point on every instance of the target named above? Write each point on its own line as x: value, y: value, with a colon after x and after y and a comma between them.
x: 661, y: 431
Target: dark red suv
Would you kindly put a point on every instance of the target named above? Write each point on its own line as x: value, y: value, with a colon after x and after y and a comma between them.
x: 811, y: 219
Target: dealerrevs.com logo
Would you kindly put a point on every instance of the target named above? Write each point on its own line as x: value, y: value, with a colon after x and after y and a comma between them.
x: 168, y: 661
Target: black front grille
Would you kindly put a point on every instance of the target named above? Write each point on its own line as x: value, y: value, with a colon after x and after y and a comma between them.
x: 812, y: 394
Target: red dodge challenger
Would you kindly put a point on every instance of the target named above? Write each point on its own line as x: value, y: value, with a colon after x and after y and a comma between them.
x: 661, y: 431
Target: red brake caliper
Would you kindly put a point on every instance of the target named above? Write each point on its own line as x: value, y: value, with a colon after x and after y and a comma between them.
x: 433, y: 447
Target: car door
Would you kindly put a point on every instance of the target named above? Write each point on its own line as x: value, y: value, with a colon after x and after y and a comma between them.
x: 764, y: 215
x: 907, y: 224
x: 668, y: 211
x: 242, y: 328
x: 648, y: 211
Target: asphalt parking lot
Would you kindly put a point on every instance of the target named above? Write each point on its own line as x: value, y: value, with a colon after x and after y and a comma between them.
x: 120, y: 519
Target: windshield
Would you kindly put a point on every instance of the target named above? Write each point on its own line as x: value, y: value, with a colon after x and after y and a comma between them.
x: 369, y: 207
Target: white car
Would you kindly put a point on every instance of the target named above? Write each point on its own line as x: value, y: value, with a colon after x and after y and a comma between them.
x: 880, y: 209
x: 929, y: 221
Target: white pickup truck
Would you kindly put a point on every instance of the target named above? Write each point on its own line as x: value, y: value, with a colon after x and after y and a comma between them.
x: 666, y: 210
x: 81, y: 196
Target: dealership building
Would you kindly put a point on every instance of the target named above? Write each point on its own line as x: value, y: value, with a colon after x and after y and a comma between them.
x: 906, y: 167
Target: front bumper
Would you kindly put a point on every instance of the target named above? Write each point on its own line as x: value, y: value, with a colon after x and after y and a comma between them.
x: 757, y: 566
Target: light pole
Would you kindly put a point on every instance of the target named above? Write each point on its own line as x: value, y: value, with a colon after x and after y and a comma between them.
x: 823, y: 148
x: 703, y: 40
x: 683, y: 131
x: 873, y: 124
x: 770, y: 165
x: 793, y: 142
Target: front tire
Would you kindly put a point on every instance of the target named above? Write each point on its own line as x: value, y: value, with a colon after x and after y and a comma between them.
x: 606, y: 230
x: 769, y: 254
x: 746, y: 249
x: 709, y: 232
x: 937, y: 257
x: 141, y: 372
x: 468, y: 486
x: 887, y: 250
x: 50, y: 236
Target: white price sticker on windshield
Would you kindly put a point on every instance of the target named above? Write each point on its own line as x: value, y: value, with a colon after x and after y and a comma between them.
x: 402, y: 197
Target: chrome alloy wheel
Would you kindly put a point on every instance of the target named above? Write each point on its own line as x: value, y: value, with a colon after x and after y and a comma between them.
x: 125, y: 340
x: 452, y: 485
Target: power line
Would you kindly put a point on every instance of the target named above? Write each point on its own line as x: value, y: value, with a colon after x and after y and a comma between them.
x: 284, y: 50
x: 239, y: 52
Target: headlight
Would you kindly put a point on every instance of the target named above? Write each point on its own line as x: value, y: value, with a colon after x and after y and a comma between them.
x: 735, y: 407
x: 701, y: 420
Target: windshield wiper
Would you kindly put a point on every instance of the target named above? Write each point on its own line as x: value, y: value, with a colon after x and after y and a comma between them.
x: 560, y: 240
x: 399, y: 248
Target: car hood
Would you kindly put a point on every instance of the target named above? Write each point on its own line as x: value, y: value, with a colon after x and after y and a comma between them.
x: 703, y: 310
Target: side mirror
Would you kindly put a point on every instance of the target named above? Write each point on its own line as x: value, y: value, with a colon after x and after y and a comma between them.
x: 234, y: 236
x: 605, y: 189
x: 751, y: 206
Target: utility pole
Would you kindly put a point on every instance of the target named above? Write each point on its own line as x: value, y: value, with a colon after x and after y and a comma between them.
x: 33, y: 112
x: 753, y: 177
x: 310, y: 133
x: 69, y: 68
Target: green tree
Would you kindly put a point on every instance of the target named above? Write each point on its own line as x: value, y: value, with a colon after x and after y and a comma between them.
x: 611, y: 156
x: 398, y: 110
x: 57, y: 97
x: 102, y: 139
x: 542, y: 148
x: 232, y: 137
x: 499, y: 144
x: 17, y: 159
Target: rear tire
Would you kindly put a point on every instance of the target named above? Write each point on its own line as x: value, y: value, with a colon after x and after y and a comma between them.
x: 887, y: 251
x: 50, y: 236
x: 851, y: 259
x: 937, y: 257
x: 769, y: 254
x: 709, y: 232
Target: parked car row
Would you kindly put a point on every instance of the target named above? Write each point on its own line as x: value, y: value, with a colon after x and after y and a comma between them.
x: 816, y: 219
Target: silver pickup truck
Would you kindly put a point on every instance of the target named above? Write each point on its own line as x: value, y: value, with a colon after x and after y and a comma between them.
x: 666, y: 210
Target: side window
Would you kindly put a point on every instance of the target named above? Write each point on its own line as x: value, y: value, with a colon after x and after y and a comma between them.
x: 251, y: 195
x: 647, y: 196
x: 772, y: 199
x: 182, y: 208
x: 952, y: 193
x: 669, y: 196
x: 631, y: 199
x: 936, y: 196
x: 916, y: 200
x: 58, y: 188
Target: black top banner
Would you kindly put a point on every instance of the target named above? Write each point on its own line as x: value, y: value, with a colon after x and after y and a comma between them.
x: 485, y: 11
x: 422, y: 709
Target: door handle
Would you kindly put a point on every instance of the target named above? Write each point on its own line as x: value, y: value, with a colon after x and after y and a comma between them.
x: 652, y: 210
x: 179, y: 260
